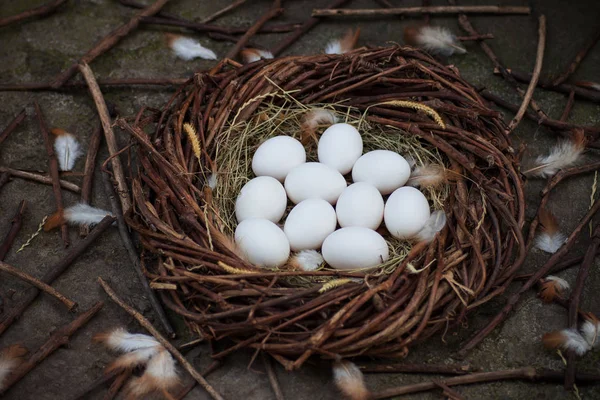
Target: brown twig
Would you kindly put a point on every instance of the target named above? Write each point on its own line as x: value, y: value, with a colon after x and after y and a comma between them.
x: 117, y: 384
x: 13, y: 125
x: 273, y: 12
x: 34, y: 86
x: 46, y: 180
x: 577, y: 60
x: 475, y: 37
x: 568, y: 107
x: 210, y: 28
x: 272, y: 376
x: 172, y: 349
x: 4, y: 177
x: 304, y: 28
x: 9, y: 269
x: 109, y: 134
x: 15, y: 227
x: 95, y: 384
x: 53, y: 166
x: 539, y: 58
x: 133, y: 257
x: 59, y: 338
x: 447, y: 391
x: 52, y: 273
x: 223, y: 11
x: 40, y: 11
x: 345, y: 12
x: 207, y: 371
x: 107, y: 42
x: 88, y: 177
x: 404, y: 368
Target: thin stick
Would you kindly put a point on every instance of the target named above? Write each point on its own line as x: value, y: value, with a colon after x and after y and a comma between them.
x: 52, y: 273
x: 13, y: 125
x: 99, y: 381
x: 46, y: 180
x: 107, y: 42
x: 207, y: 371
x: 109, y: 134
x: 59, y: 338
x: 53, y: 166
x: 154, y: 332
x: 133, y: 257
x: 223, y: 11
x: 575, y: 299
x: 568, y: 107
x: 404, y: 368
x: 117, y: 384
x: 475, y: 37
x: 448, y: 391
x: 9, y: 269
x: 4, y: 177
x: 40, y: 11
x: 306, y: 26
x: 15, y: 227
x: 210, y: 28
x: 577, y: 60
x: 539, y: 58
x: 33, y: 86
x: 90, y: 165
x: 345, y: 12
x: 273, y: 12
x: 272, y: 376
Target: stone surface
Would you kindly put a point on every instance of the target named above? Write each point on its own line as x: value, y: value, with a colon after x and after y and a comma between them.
x: 36, y: 50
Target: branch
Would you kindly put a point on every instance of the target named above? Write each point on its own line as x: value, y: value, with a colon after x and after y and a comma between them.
x: 13, y: 125
x: 344, y: 12
x: 46, y: 180
x: 270, y: 14
x: 577, y: 60
x: 15, y: 227
x: 40, y: 11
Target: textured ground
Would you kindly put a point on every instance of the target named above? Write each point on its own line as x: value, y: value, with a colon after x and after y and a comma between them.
x: 38, y: 49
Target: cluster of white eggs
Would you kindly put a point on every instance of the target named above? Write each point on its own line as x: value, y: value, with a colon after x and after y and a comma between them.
x: 323, y: 200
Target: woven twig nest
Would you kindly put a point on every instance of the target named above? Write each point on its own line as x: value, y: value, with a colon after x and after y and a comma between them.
x: 293, y: 314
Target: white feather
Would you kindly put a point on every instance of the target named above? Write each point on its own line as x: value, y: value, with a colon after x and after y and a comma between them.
x: 560, y: 282
x: 563, y: 155
x: 589, y: 331
x: 350, y: 380
x: 212, y: 181
x: 550, y: 243
x: 334, y: 47
x: 188, y: 49
x: 574, y: 342
x: 253, y: 55
x: 160, y: 375
x: 439, y: 40
x: 84, y: 214
x: 426, y: 176
x: 317, y: 117
x: 434, y: 224
x: 308, y: 260
x: 67, y: 150
x: 134, y: 358
x: 121, y: 340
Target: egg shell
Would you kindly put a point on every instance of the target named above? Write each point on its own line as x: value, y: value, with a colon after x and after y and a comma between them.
x: 340, y: 146
x: 262, y: 197
x: 309, y: 223
x: 384, y: 169
x: 355, y: 247
x: 360, y: 204
x: 314, y: 181
x: 277, y: 156
x: 262, y: 243
x: 406, y: 212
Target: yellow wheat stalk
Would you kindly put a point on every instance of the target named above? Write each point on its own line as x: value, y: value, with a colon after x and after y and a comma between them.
x: 333, y: 284
x: 191, y: 134
x: 418, y: 106
x: 234, y: 271
x: 39, y: 229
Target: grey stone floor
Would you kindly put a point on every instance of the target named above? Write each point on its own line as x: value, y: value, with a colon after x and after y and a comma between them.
x: 38, y: 49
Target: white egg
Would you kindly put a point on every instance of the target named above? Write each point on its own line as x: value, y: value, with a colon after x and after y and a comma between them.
x: 262, y: 242
x: 384, y: 169
x: 262, y: 197
x: 309, y: 223
x: 355, y: 247
x: 340, y: 146
x: 406, y: 212
x: 360, y: 204
x: 277, y: 156
x: 314, y: 181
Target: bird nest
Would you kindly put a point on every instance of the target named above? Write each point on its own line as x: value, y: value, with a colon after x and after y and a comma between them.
x: 401, y: 99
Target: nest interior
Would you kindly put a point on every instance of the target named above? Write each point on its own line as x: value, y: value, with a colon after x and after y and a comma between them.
x: 294, y: 315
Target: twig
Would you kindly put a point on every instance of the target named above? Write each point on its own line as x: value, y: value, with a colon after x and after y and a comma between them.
x: 475, y: 37
x: 39, y: 178
x: 273, y: 12
x: 448, y: 391
x: 52, y: 273
x: 223, y: 11
x: 543, y: 271
x: 40, y: 11
x: 13, y: 125
x: 53, y: 166
x: 574, y: 300
x: 154, y: 332
x: 272, y: 376
x: 107, y: 42
x: 4, y: 177
x: 9, y: 269
x: 109, y: 134
x: 304, y: 28
x: 59, y: 338
x: 210, y: 28
x: 90, y: 165
x: 117, y: 384
x: 207, y: 371
x: 577, y: 60
x: 33, y: 86
x: 404, y: 368
x: 568, y: 107
x: 15, y: 227
x: 99, y: 381
x: 133, y: 257
x: 539, y: 58
x: 345, y: 12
